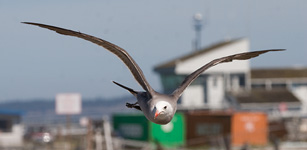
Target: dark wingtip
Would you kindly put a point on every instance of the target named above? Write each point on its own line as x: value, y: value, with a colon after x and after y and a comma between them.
x: 32, y: 23
x: 268, y: 50
x: 124, y: 87
x: 278, y: 49
x: 26, y: 22
x: 116, y: 83
x: 274, y: 50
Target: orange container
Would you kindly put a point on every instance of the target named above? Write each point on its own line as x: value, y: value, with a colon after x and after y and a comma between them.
x: 249, y: 128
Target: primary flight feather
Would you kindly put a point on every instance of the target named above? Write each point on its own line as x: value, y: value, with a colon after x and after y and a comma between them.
x: 158, y: 108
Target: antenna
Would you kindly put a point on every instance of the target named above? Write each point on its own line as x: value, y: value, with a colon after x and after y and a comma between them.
x: 197, y: 18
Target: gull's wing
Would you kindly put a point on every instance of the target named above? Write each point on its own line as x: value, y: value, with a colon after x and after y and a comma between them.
x: 119, y: 52
x: 241, y: 56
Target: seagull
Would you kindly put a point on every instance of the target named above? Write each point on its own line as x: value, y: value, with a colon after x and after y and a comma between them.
x: 157, y: 107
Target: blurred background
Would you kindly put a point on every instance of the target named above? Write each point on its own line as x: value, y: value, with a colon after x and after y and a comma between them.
x: 56, y: 91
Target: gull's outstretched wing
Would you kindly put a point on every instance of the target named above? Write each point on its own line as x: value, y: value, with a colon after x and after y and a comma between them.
x: 119, y: 52
x: 241, y: 56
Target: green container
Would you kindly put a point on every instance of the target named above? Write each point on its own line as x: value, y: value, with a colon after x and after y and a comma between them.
x: 137, y: 127
x: 171, y: 134
x: 133, y: 126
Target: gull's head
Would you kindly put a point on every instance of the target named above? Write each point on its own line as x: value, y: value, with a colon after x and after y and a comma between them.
x: 163, y: 112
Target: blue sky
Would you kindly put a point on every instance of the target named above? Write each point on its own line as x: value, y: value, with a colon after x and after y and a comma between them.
x: 38, y: 63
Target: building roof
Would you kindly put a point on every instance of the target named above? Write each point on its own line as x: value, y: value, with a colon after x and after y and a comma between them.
x: 172, y: 63
x: 265, y: 96
x: 279, y: 73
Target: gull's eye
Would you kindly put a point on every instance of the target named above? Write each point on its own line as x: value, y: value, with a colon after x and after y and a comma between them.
x: 165, y: 107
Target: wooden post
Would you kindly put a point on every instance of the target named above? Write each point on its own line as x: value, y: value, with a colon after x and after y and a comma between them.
x: 89, y: 135
x: 68, y: 132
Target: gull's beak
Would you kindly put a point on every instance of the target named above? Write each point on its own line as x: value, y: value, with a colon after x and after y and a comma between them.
x: 157, y: 114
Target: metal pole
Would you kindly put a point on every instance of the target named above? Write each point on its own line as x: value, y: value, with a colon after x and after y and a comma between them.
x: 198, y: 26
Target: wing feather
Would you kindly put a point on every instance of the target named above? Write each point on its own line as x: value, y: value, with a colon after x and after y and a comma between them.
x: 241, y: 56
x: 119, y: 52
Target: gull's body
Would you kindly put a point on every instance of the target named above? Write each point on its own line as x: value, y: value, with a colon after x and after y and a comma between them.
x: 158, y: 108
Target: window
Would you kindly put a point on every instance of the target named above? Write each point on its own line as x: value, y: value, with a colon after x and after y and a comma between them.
x: 5, y: 125
x: 238, y: 79
x: 279, y: 85
x: 258, y: 86
x: 214, y: 81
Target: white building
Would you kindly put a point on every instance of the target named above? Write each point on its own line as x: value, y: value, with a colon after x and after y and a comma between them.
x: 209, y: 89
x: 234, y: 85
x: 293, y: 80
x: 11, y: 131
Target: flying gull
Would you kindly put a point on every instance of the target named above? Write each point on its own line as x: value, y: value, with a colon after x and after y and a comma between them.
x: 157, y: 107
